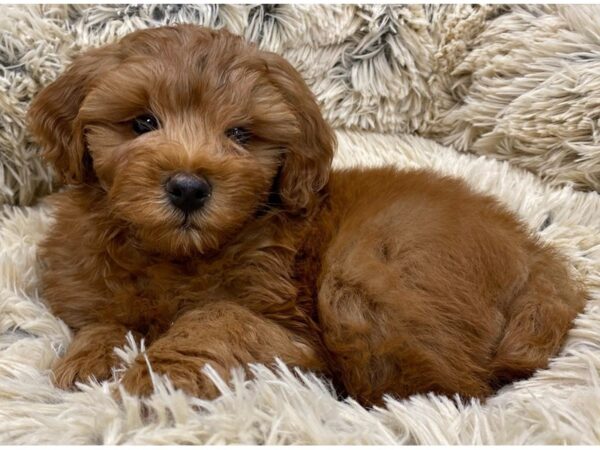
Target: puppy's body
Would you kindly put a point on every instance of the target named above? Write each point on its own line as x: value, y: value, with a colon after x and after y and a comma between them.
x: 438, y: 290
x: 387, y: 281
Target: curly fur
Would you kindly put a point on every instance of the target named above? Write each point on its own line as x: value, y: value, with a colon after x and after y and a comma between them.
x: 387, y: 281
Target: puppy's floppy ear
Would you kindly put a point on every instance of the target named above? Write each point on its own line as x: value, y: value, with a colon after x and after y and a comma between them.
x: 307, y: 162
x: 53, y: 114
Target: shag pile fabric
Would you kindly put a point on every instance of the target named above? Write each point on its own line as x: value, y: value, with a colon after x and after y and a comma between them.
x: 516, y: 83
x: 512, y: 92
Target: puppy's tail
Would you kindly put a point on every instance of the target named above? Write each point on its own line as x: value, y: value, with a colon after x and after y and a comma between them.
x: 538, y: 319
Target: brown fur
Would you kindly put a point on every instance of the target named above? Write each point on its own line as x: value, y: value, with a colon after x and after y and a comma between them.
x: 387, y: 281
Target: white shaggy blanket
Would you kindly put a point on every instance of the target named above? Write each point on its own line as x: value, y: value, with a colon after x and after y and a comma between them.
x: 518, y: 83
x: 558, y: 405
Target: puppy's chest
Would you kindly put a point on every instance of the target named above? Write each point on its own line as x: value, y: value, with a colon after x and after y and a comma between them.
x: 173, y: 281
x: 159, y: 290
x: 152, y: 292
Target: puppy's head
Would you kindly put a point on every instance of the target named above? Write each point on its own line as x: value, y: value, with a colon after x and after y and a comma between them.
x: 188, y: 131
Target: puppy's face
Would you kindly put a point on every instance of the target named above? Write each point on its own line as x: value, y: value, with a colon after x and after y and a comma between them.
x: 187, y: 142
x: 188, y: 131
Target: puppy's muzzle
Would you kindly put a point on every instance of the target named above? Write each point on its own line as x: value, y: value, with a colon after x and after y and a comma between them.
x: 188, y: 192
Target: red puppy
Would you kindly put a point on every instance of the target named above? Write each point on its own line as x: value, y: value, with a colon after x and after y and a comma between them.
x: 202, y: 214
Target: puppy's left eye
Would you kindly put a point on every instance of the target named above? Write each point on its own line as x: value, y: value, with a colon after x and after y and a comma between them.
x: 239, y: 135
x: 144, y: 124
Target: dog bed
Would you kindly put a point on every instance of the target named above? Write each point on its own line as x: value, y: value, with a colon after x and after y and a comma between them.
x: 441, y: 72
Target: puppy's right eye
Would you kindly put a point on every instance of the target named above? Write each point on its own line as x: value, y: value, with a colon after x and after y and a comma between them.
x: 144, y: 124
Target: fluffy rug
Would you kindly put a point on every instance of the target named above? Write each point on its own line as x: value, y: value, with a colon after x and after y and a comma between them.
x: 559, y: 405
x: 518, y: 84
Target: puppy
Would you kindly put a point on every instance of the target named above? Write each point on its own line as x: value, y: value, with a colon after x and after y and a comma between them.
x: 202, y: 214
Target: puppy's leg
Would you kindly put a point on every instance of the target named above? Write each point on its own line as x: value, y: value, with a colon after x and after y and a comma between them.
x: 381, y: 344
x: 537, y: 320
x: 89, y: 355
x: 224, y: 335
x: 399, y: 321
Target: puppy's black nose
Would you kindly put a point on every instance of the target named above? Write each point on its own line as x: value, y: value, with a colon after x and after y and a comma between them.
x: 188, y: 192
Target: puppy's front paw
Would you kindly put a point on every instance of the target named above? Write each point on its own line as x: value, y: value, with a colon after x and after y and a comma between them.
x: 184, y: 375
x: 90, y: 355
x: 81, y: 366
